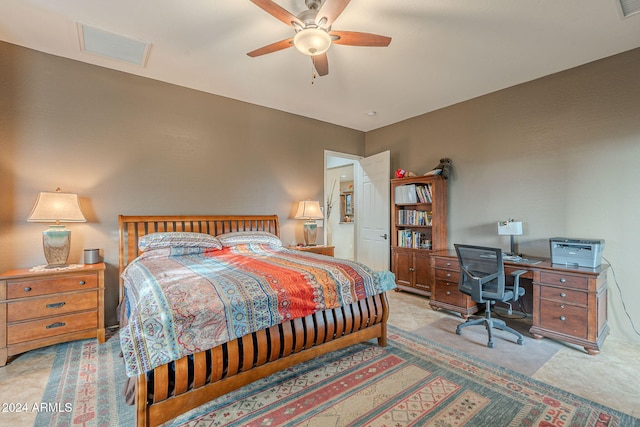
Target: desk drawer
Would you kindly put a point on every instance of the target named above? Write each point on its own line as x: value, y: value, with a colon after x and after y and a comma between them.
x: 564, y: 318
x: 448, y: 275
x: 31, y: 288
x: 447, y: 263
x: 565, y: 280
x: 564, y: 296
x: 35, y: 308
x: 448, y: 293
x: 52, y: 326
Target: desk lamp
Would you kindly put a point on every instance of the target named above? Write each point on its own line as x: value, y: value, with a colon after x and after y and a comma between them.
x: 310, y: 211
x: 510, y: 228
x: 56, y: 207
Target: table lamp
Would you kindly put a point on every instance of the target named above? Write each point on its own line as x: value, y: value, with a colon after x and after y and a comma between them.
x: 56, y: 207
x: 310, y: 211
x: 510, y: 228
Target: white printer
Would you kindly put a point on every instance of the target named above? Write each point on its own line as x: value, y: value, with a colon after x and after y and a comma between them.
x: 576, y: 252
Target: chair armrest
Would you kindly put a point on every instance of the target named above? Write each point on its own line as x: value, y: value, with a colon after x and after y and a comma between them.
x: 516, y: 283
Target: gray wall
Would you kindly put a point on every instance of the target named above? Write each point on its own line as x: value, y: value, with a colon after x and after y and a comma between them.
x: 129, y: 145
x: 561, y: 153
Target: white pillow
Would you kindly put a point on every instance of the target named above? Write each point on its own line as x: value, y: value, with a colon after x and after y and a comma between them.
x: 178, y: 239
x: 235, y: 238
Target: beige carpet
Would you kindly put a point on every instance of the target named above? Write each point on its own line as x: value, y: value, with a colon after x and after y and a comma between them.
x: 525, y: 359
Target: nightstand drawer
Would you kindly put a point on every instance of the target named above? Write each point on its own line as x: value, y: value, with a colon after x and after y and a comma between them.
x: 35, y: 287
x: 35, y: 308
x: 43, y: 328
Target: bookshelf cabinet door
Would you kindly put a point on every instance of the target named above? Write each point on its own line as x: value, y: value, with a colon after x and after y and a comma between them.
x: 422, y: 270
x: 403, y: 267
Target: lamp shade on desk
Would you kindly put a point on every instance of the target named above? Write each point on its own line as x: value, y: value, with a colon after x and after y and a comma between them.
x: 510, y: 228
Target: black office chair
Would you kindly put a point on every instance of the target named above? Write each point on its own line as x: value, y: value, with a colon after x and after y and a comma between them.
x: 482, y: 277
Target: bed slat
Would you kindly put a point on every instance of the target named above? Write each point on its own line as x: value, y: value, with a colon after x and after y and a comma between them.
x: 199, y: 369
x: 161, y: 383
x: 182, y: 375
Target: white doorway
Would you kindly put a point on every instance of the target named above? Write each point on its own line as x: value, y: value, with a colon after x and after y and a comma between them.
x: 358, y: 224
x: 339, y: 185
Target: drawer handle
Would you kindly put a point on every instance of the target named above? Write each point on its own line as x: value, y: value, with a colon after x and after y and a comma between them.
x: 563, y: 295
x: 55, y: 325
x: 563, y: 318
x: 448, y: 274
x: 56, y: 304
x: 82, y: 282
x: 448, y: 292
x: 563, y: 280
x: 27, y: 289
x: 448, y: 264
x: 412, y: 269
x: 562, y: 306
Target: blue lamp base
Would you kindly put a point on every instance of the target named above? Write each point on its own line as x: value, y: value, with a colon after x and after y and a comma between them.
x: 56, y: 242
x: 310, y: 233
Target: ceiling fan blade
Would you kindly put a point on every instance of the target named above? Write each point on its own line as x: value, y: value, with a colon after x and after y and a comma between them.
x: 277, y: 12
x: 321, y: 64
x: 354, y: 38
x: 330, y: 10
x: 273, y: 47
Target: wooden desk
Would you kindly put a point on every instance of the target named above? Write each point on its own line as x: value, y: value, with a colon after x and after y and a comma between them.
x: 569, y: 303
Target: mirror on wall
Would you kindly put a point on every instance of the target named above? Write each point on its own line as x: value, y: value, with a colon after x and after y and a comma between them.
x: 347, y: 208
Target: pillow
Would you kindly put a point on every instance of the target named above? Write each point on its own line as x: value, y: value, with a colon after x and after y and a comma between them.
x: 178, y: 239
x: 241, y: 237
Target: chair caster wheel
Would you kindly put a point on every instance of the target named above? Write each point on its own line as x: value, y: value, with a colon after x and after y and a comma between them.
x: 490, y: 344
x: 520, y: 341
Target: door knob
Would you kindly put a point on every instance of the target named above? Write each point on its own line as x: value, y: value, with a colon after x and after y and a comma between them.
x: 384, y: 236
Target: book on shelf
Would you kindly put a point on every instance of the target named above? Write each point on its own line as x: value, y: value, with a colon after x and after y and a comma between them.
x: 412, y: 193
x: 413, y: 239
x: 414, y: 217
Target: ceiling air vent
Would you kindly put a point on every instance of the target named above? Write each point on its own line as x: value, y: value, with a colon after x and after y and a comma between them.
x: 114, y: 46
x: 630, y: 7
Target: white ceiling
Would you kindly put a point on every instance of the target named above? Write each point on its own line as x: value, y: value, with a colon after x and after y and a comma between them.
x: 443, y: 51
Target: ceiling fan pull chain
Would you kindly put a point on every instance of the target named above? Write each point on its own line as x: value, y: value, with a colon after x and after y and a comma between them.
x: 313, y: 70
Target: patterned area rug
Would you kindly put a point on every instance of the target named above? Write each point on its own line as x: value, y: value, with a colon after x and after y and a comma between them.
x: 413, y: 381
x: 85, y: 387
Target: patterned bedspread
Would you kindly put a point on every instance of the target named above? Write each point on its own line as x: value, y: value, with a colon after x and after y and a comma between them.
x: 180, y: 303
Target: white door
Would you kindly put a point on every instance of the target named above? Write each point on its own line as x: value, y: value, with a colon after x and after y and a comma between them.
x: 373, y: 242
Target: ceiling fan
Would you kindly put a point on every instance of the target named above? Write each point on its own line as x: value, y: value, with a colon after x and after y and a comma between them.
x: 313, y: 33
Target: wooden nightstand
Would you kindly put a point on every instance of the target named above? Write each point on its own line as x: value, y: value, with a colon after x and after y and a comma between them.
x: 40, y: 308
x: 317, y: 249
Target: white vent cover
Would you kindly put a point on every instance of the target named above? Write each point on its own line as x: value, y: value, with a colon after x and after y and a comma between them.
x: 630, y: 7
x: 114, y: 46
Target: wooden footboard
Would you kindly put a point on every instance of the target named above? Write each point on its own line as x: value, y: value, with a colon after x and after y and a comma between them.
x: 175, y: 388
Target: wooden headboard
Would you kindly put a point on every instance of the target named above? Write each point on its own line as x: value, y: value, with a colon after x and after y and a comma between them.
x: 131, y: 228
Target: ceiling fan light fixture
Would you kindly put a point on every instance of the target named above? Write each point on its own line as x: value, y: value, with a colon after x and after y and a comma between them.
x: 312, y: 41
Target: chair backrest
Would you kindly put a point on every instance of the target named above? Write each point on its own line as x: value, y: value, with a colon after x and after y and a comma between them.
x: 482, y: 272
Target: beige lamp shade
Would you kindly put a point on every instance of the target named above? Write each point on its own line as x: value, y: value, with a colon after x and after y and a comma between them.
x: 56, y: 207
x: 309, y: 210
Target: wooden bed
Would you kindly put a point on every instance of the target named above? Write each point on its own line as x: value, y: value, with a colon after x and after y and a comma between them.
x: 182, y: 385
